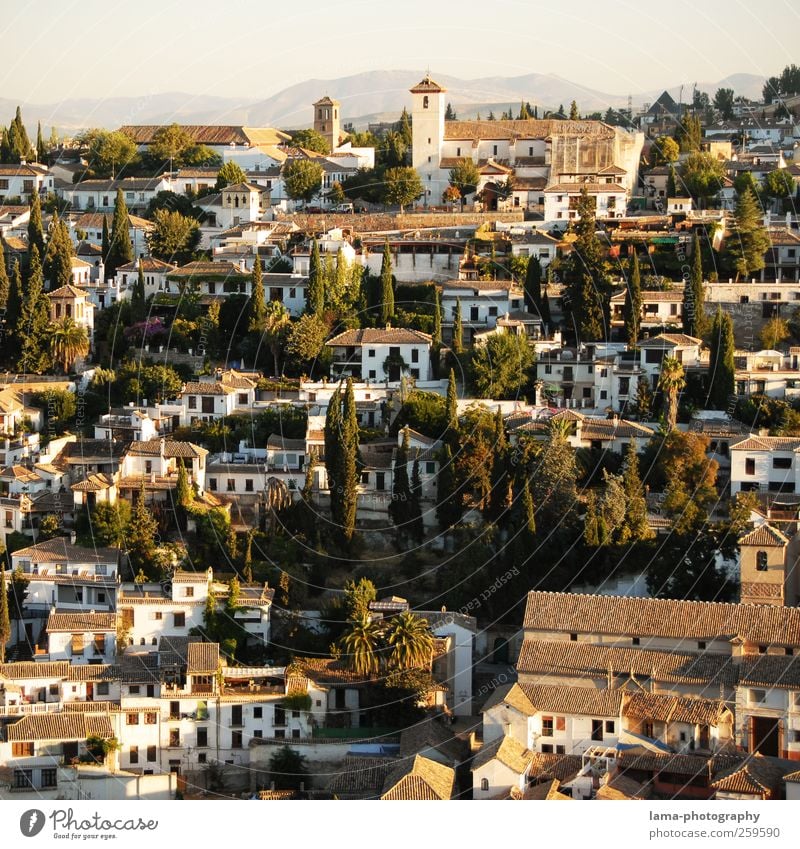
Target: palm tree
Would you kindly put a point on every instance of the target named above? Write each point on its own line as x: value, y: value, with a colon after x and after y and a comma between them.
x: 411, y: 642
x: 276, y: 328
x: 671, y: 382
x: 360, y: 646
x: 68, y: 342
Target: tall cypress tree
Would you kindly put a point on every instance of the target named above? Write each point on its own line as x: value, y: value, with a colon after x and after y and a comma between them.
x: 35, y: 228
x: 5, y: 147
x: 436, y: 336
x: 448, y: 500
x: 5, y: 284
x: 399, y: 509
x: 105, y: 244
x: 632, y: 310
x: 672, y: 188
x: 5, y: 619
x: 333, y: 448
x: 695, y: 322
x: 41, y: 153
x: 120, y: 249
x: 258, y: 307
x: 635, y: 526
x: 721, y: 367
x: 591, y: 311
x: 14, y: 298
x: 451, y: 404
x: 533, y: 286
x: 349, y: 464
x: 34, y: 320
x: 458, y: 330
x: 415, y: 522
x: 59, y: 255
x: 501, y: 481
x: 316, y: 284
x: 387, y: 289
x: 138, y: 299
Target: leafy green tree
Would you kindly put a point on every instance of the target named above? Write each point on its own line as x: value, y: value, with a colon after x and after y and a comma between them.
x: 58, y: 258
x: 230, y: 174
x: 175, y: 237
x: 773, y: 332
x: 316, y: 282
x: 691, y: 480
x: 169, y: 144
x: 277, y: 326
x: 108, y: 151
x: 465, y: 177
x: 387, y: 285
x: 665, y: 150
x: 690, y: 134
x: 35, y: 228
x: 748, y: 240
x: 574, y: 115
x: 500, y: 368
x: 401, y: 186
x: 288, y: 769
x: 140, y: 537
x: 108, y: 523
x: 404, y: 127
x: 120, y: 249
x: 311, y: 140
x: 302, y: 179
x: 409, y: 641
x: 723, y: 103
x: 635, y: 526
x: 779, y: 184
x: 60, y: 406
x: 554, y: 488
x: 702, y: 175
x: 721, y: 368
x: 632, y: 308
x: 306, y: 338
x: 32, y: 328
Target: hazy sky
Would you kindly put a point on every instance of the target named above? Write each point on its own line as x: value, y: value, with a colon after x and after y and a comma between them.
x: 103, y: 48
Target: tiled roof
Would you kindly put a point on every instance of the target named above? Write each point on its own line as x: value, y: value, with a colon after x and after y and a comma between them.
x: 562, y: 767
x: 207, y: 388
x: 666, y: 708
x: 669, y: 339
x: 426, y: 86
x: 591, y: 188
x: 92, y: 672
x: 60, y: 550
x: 590, y: 660
x: 420, y: 780
x: 172, y: 448
x: 757, y: 775
x: 68, y: 292
x: 768, y: 443
x: 203, y: 268
x: 431, y: 734
x: 76, y: 622
x: 95, y: 482
x: 184, y: 576
x: 479, y: 285
x: 19, y: 473
x: 31, y: 669
x: 362, y: 775
x: 94, y: 221
x: 237, y: 380
x: 678, y: 764
x: 202, y: 658
x: 770, y: 670
x: 210, y: 134
x: 643, y: 617
x: 380, y: 336
x: 508, y: 751
x: 60, y: 726
x: 283, y: 443
x: 325, y: 670
x: 764, y: 536
x: 622, y: 788
x: 583, y: 701
x: 150, y: 265
x: 512, y: 695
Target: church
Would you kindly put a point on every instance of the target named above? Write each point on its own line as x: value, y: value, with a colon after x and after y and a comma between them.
x: 546, y: 159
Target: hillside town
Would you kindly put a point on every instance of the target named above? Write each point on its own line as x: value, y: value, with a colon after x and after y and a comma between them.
x: 432, y: 459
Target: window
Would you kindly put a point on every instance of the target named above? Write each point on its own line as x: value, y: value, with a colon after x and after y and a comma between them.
x: 212, y: 484
x: 280, y: 734
x: 133, y: 690
x: 150, y: 718
x: 296, y: 733
x: 202, y: 737
x: 560, y: 750
x: 236, y: 715
x: 189, y: 592
x: 77, y: 644
x: 148, y: 467
x: 180, y: 619
x: 174, y: 710
x: 781, y: 462
x: 236, y: 739
x: 158, y: 615
x: 415, y: 355
x: 22, y: 750
x: 761, y: 561
x: 701, y: 645
x: 151, y: 753
x: 248, y: 485
x: 610, y: 726
x: 597, y: 730
x: 750, y: 466
x: 561, y: 723
x: 133, y: 755
x: 380, y: 481
x: 425, y: 106
x: 102, y: 688
x: 174, y: 737
x: 231, y: 485
x: 547, y: 726
x: 547, y: 749
x: 292, y: 292
x: 192, y: 402
x: 758, y: 697
x: 484, y: 784
x: 201, y: 758
x: 132, y: 719
x: 49, y: 777
x: 242, y: 397
x: 258, y: 734
x: 430, y: 467
x: 23, y: 778
x: 258, y: 713
x: 208, y: 404
x: 574, y: 638
x: 635, y: 641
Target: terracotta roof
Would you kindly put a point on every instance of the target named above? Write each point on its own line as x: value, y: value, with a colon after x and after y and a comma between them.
x: 94, y: 221
x: 511, y: 695
x: 172, y: 448
x: 562, y: 767
x: 770, y: 670
x: 31, y: 669
x: 60, y: 550
x: 669, y: 340
x: 666, y: 708
x: 68, y: 292
x: 204, y: 268
x: 283, y: 443
x: 589, y: 660
x: 431, y: 734
x: 479, y: 285
x: 508, y: 751
x: 202, y: 658
x: 210, y: 134
x: 364, y: 775
x: 380, y: 336
x: 75, y: 622
x: 591, y: 188
x: 531, y: 128
x: 426, y: 86
x: 325, y: 670
x: 620, y: 788
x: 19, y: 473
x: 547, y: 791
x: 757, y: 775
x: 92, y: 672
x: 207, y: 388
x: 420, y: 780
x: 238, y: 380
x: 643, y: 617
x: 768, y: 443
x: 23, y: 170
x: 764, y: 536
x: 60, y: 726
x: 584, y: 701
x: 150, y: 265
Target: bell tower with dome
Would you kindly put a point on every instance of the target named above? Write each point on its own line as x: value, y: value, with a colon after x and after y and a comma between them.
x: 427, y: 127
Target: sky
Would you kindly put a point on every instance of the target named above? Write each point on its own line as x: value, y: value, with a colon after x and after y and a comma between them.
x: 248, y: 49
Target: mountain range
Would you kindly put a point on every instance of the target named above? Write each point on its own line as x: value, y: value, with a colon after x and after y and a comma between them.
x: 369, y: 96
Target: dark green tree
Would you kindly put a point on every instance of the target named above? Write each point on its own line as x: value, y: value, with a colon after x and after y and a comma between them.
x: 35, y: 228
x: 32, y: 329
x: 635, y: 526
x: 230, y: 174
x: 14, y: 299
x: 316, y: 282
x: 748, y: 240
x: 120, y: 248
x: 592, y: 324
x: 632, y: 309
x: 554, y: 488
x: 399, y: 509
x: 721, y: 367
x: 349, y: 464
x: 41, y: 151
x: 5, y: 284
x: 458, y: 330
x: 448, y: 499
x: 258, y: 308
x: 387, y: 286
x: 452, y: 405
x: 416, y: 526
x: 138, y: 300
x: 105, y: 244
x: 140, y: 539
x: 5, y: 619
x: 59, y: 255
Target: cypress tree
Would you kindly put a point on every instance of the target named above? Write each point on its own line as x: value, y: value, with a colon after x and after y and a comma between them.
x: 458, y: 330
x: 671, y: 184
x: 316, y: 284
x: 591, y: 311
x: 632, y: 309
x: 5, y: 284
x: 399, y: 509
x: 120, y: 250
x: 416, y: 525
x: 591, y: 522
x: 387, y: 290
x: 451, y: 405
x: 528, y: 510
x: 749, y: 239
x: 258, y: 307
x: 5, y: 147
x: 14, y: 298
x: 721, y: 367
x: 138, y: 299
x: 105, y: 245
x: 140, y: 538
x: 59, y: 255
x: 349, y: 464
x: 41, y: 153
x: 35, y: 228
x: 635, y: 526
x: 34, y: 320
x: 333, y: 446
x: 695, y: 322
x: 448, y: 506
x: 436, y: 336
x: 501, y: 482
x: 533, y: 286
x: 5, y: 619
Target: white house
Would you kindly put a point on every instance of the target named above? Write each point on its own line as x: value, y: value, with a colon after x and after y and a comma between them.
x: 100, y: 195
x: 21, y: 181
x: 561, y: 201
x: 381, y: 354
x: 81, y: 637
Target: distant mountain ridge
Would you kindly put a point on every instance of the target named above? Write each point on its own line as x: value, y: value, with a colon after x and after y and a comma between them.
x: 363, y: 96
